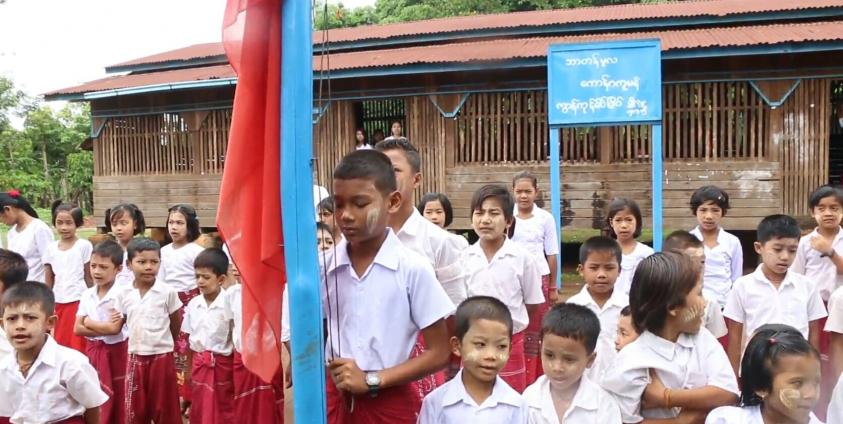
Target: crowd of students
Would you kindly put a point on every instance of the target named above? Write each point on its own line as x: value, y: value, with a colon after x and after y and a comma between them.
x: 423, y: 327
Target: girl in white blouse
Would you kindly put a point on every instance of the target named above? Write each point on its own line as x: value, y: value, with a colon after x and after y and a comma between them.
x: 625, y: 226
x: 29, y: 236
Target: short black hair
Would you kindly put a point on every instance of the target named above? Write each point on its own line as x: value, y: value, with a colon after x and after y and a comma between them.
x: 680, y: 240
x: 191, y: 221
x: 214, y: 259
x: 442, y: 199
x: 619, y: 204
x: 822, y: 192
x: 13, y: 268
x: 760, y: 359
x: 410, y: 151
x: 481, y: 307
x: 572, y: 321
x: 111, y: 250
x: 134, y: 212
x: 326, y: 204
x: 368, y: 165
x: 626, y: 312
x: 142, y: 244
x: 30, y: 293
x: 778, y: 226
x: 600, y: 244
x: 526, y: 175
x: 709, y: 193
x: 71, y: 208
x: 324, y: 227
x: 661, y: 282
x: 499, y: 192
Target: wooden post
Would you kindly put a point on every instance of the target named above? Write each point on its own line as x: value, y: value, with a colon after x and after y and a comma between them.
x: 194, y: 120
x: 604, y: 140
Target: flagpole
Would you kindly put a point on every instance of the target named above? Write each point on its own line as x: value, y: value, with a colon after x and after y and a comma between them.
x: 299, y: 225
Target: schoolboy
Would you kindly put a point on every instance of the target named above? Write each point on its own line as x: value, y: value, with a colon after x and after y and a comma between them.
x: 380, y: 296
x: 565, y: 393
x: 43, y: 382
x: 209, y: 335
x: 498, y: 267
x: 819, y: 255
x: 150, y: 312
x: 600, y: 264
x: 13, y: 270
x: 94, y: 320
x: 773, y: 294
x: 483, y: 332
x: 626, y: 331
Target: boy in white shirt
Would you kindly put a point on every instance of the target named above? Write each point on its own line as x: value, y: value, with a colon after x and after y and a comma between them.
x: 773, y: 294
x: 564, y: 393
x: 476, y: 393
x: 209, y: 333
x: 43, y: 382
x: 600, y: 262
x: 820, y: 253
x: 13, y: 270
x: 94, y: 320
x: 834, y: 331
x: 498, y: 267
x: 378, y: 296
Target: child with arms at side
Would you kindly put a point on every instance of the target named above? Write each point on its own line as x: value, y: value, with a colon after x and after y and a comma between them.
x: 95, y: 321
x: 381, y: 295
x: 13, y: 270
x: 773, y: 294
x: 564, y: 393
x: 625, y: 225
x: 482, y: 340
x: 675, y: 371
x: 600, y: 262
x: 498, y: 267
x: 125, y: 221
x: 780, y: 378
x: 43, y: 382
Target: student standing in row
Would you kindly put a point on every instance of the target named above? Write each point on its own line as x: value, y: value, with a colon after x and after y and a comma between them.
x: 625, y: 225
x: 125, y: 221
x: 13, y: 270
x: 28, y: 235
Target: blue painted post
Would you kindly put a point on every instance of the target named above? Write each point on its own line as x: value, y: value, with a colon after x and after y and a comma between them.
x: 556, y: 197
x: 656, y: 160
x: 297, y: 210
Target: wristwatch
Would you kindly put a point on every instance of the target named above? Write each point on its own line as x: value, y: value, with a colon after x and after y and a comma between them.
x: 829, y: 255
x: 373, y: 380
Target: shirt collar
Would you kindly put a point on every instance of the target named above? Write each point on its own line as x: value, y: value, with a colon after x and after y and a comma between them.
x: 412, y: 226
x: 541, y: 399
x: 837, y: 237
x: 501, y: 393
x: 665, y: 348
x: 388, y: 255
x: 507, y: 249
x: 47, y: 356
x: 616, y: 299
x: 218, y: 303
x: 720, y: 233
x: 759, y: 276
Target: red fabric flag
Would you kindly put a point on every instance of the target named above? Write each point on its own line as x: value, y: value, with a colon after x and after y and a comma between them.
x: 249, y: 213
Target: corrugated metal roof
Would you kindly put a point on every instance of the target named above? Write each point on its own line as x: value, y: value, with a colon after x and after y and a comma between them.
x: 496, y: 51
x: 198, y: 51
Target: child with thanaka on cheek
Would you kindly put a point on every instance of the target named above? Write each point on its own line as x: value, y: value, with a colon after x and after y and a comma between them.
x: 625, y: 225
x: 780, y: 379
x: 600, y: 261
x: 626, y: 331
x: 675, y: 369
x: 477, y: 393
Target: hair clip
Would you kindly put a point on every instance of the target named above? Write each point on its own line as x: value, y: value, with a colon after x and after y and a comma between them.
x: 13, y: 193
x: 772, y: 340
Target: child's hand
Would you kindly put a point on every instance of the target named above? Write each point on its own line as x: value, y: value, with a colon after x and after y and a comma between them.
x: 820, y: 244
x: 654, y: 393
x: 116, y: 317
x: 348, y: 376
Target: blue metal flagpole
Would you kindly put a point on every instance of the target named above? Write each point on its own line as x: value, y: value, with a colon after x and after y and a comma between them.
x: 297, y: 209
x: 657, y: 194
x: 556, y: 198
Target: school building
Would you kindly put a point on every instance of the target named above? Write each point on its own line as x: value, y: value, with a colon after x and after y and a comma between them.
x: 752, y: 102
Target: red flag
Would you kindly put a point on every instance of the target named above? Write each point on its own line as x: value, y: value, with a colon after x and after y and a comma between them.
x: 249, y: 213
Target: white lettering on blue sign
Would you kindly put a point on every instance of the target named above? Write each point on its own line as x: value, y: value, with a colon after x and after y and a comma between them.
x: 606, y: 82
x: 593, y: 60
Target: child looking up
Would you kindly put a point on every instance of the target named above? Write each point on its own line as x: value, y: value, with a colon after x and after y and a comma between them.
x: 67, y: 272
x: 772, y: 294
x: 625, y: 225
x: 626, y: 331
x: 43, y: 382
x: 600, y: 261
x: 564, y: 393
x: 380, y: 296
x: 28, y: 235
x: 780, y: 378
x: 125, y: 221
x: 675, y: 367
x: 94, y: 320
x: 723, y: 251
x: 482, y: 340
x: 13, y: 270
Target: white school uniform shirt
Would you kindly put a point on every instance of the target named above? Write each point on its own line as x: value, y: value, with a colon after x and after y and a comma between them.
x: 537, y: 235
x: 148, y: 318
x: 31, y: 243
x: 177, y: 269
x: 744, y: 415
x: 819, y: 269
x: 69, y: 269
x: 629, y: 263
x: 285, y: 316
x: 441, y: 249
x: 835, y: 405
x: 234, y: 313
x: 714, y: 321
x: 375, y: 318
x: 591, y: 404
x: 695, y: 360
x: 834, y: 323
x: 6, y: 348
x: 609, y: 315
x: 91, y: 306
x: 754, y: 301
x: 451, y: 404
x: 126, y: 276
x: 61, y: 384
x: 512, y: 277
x: 723, y: 265
x: 206, y: 325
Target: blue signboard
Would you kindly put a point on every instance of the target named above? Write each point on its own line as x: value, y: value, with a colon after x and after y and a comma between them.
x: 604, y: 83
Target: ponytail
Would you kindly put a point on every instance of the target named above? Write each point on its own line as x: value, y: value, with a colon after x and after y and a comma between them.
x: 14, y: 199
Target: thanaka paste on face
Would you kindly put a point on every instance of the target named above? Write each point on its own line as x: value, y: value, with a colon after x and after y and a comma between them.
x: 790, y: 398
x: 372, y: 218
